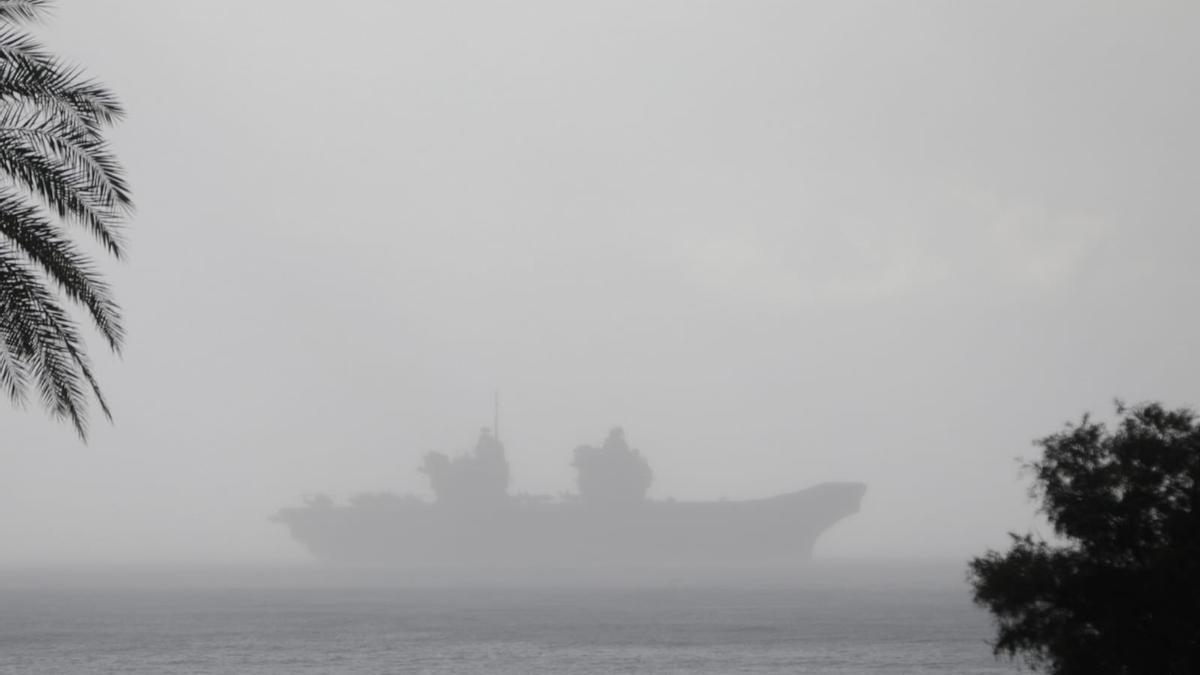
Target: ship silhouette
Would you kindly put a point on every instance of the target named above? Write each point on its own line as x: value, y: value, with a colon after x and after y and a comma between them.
x: 475, y: 523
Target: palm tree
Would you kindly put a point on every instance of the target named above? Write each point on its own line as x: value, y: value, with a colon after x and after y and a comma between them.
x: 56, y: 173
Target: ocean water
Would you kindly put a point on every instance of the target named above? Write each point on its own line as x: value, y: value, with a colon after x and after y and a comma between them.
x: 286, y: 628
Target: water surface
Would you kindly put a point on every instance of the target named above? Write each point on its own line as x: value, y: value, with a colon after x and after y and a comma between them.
x: 828, y: 626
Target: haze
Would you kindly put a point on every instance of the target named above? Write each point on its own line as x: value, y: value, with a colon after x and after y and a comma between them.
x: 779, y: 243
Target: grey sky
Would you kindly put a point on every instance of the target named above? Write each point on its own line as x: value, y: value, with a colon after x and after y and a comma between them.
x: 778, y: 242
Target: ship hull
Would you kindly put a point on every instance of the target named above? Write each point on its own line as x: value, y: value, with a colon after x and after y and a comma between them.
x: 520, y: 534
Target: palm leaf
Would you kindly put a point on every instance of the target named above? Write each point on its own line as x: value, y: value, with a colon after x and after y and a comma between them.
x: 74, y: 272
x: 23, y: 10
x: 26, y: 69
x: 55, y: 169
x: 42, y: 335
x: 55, y: 130
x: 14, y: 376
x: 68, y: 167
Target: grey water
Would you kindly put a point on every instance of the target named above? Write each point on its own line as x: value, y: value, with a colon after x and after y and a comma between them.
x: 862, y: 622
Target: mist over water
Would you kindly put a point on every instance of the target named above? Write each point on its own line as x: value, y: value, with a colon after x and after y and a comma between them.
x: 778, y: 243
x: 825, y: 618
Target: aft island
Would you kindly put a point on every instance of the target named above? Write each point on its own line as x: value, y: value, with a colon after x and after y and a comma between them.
x: 475, y: 523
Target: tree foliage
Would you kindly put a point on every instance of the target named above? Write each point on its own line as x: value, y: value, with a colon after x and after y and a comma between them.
x: 56, y: 172
x: 1121, y: 593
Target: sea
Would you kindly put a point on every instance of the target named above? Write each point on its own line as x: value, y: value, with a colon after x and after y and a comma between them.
x: 834, y: 619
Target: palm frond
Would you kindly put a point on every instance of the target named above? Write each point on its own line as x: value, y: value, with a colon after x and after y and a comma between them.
x: 46, y: 246
x: 67, y: 167
x: 58, y: 132
x: 23, y: 10
x: 14, y: 377
x: 55, y: 169
x: 41, y: 334
x: 26, y: 69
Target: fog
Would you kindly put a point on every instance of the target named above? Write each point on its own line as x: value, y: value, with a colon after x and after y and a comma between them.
x: 778, y: 243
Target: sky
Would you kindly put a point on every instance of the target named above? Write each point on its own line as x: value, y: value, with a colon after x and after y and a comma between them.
x: 779, y: 243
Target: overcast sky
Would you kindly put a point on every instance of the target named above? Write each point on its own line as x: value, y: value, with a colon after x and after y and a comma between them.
x: 779, y: 242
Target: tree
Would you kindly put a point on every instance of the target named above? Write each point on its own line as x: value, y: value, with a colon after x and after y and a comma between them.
x: 1121, y: 593
x: 56, y: 172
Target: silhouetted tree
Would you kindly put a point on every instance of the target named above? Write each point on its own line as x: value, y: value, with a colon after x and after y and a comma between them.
x: 1121, y: 593
x: 57, y: 171
x: 612, y: 473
